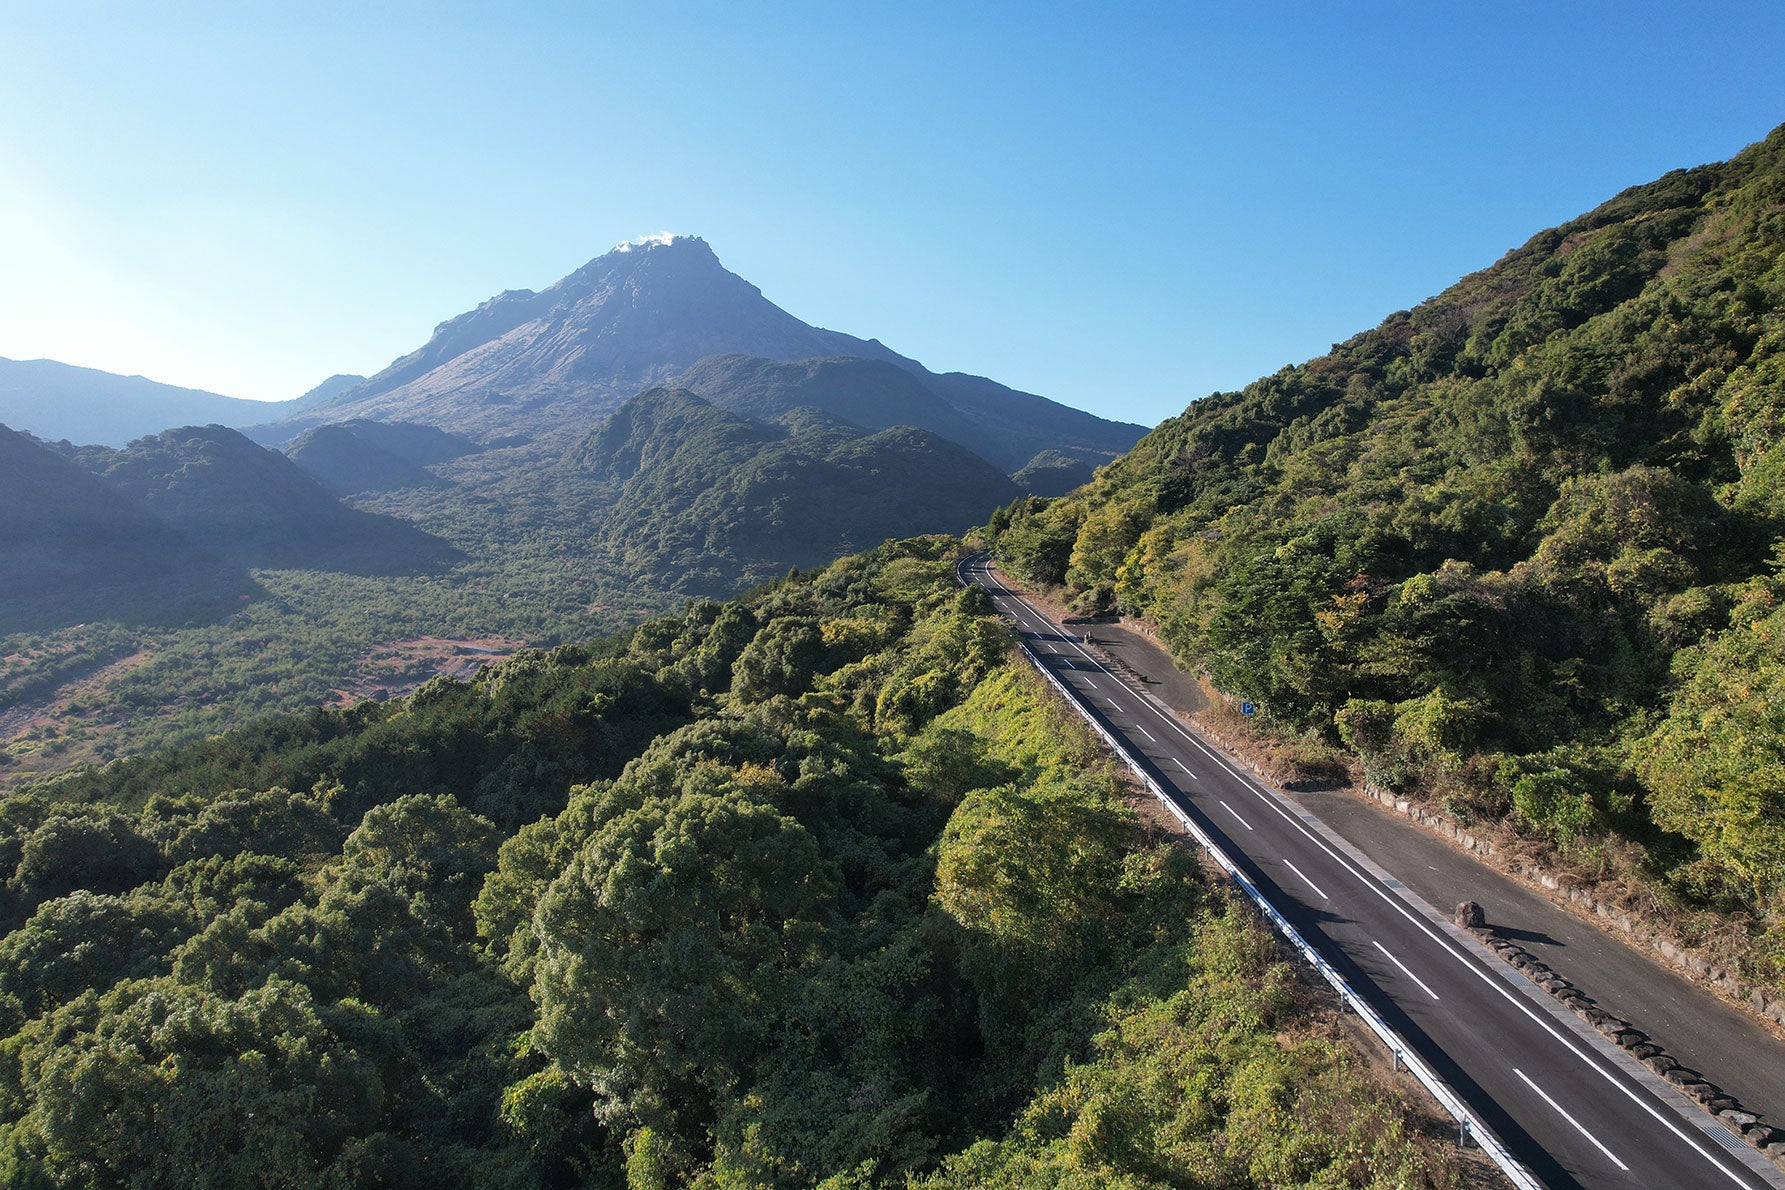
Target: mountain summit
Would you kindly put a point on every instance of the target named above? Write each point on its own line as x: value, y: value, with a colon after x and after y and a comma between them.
x: 531, y: 363
x: 634, y: 316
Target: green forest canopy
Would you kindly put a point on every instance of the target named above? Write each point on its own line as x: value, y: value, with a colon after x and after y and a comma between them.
x: 1519, y: 546
x: 812, y: 887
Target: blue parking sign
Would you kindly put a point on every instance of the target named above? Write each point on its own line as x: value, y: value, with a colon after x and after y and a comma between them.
x: 1247, y: 708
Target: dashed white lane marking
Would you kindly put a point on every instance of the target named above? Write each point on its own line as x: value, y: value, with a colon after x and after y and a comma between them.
x: 1144, y: 732
x: 1474, y: 969
x: 1091, y: 683
x: 1305, y: 879
x: 1611, y: 1156
x: 1404, y: 969
x: 1236, y: 814
x: 1185, y: 769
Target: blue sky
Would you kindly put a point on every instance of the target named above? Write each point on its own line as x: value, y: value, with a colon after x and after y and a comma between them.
x: 1121, y: 210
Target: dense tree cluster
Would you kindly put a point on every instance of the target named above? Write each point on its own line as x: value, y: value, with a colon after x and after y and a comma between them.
x: 812, y: 887
x: 1519, y: 546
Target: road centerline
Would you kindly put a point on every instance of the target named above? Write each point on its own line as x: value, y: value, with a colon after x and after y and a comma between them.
x: 1236, y: 814
x: 1305, y: 879
x: 1405, y: 970
x: 1578, y: 1126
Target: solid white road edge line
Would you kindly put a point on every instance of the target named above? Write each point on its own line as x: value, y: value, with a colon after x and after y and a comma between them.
x: 1482, y: 974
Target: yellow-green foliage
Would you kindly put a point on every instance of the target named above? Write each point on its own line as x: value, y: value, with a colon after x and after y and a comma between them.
x: 813, y: 888
x: 1204, y: 1077
x: 1495, y: 541
x: 1202, y: 1070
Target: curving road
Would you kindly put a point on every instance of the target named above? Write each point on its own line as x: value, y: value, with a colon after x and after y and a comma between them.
x: 1575, y: 1109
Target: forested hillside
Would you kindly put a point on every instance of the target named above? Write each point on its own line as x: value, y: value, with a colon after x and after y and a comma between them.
x: 702, y: 496
x: 73, y: 547
x: 812, y: 887
x: 516, y: 545
x: 1519, y: 547
x: 370, y: 456
x: 256, y: 507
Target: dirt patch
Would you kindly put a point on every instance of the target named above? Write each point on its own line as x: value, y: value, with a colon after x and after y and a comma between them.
x: 395, y: 669
x: 37, y: 729
x: 15, y: 721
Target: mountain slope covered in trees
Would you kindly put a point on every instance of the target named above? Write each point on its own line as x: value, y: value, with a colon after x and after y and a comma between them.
x: 1519, y: 546
x: 812, y: 887
x: 702, y: 495
x: 255, y: 506
x: 75, y: 547
x: 368, y: 456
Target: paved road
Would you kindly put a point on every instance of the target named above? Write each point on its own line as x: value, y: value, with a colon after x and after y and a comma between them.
x: 1692, y: 1024
x: 1576, y: 1110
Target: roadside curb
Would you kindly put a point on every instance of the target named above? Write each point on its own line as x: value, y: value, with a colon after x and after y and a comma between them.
x: 1689, y: 1111
x: 1574, y: 1031
x: 1733, y: 990
x: 1750, y: 1126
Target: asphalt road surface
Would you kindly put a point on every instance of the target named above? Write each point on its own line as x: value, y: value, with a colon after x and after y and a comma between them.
x: 1575, y: 1109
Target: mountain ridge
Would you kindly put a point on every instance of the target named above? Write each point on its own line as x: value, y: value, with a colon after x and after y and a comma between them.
x: 699, y: 489
x: 57, y: 401
x: 557, y: 360
x: 76, y: 547
x: 256, y: 507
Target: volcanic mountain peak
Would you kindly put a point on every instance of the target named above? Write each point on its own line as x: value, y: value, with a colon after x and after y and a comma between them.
x: 569, y: 353
x: 541, y: 365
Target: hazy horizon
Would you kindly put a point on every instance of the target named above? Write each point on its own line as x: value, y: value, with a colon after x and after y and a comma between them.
x: 1122, y: 214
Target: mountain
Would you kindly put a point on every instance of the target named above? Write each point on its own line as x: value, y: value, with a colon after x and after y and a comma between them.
x: 328, y: 390
x: 59, y: 401
x: 867, y: 393
x: 1052, y: 473
x: 703, y: 496
x: 558, y: 361
x: 1519, y: 546
x: 370, y: 456
x: 342, y: 461
x: 255, y: 507
x: 73, y: 548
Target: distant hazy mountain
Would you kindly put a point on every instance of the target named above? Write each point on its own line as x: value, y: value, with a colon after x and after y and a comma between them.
x: 73, y: 548
x: 526, y: 363
x: 371, y: 456
x: 704, y: 496
x: 328, y: 390
x: 254, y: 506
x: 55, y: 401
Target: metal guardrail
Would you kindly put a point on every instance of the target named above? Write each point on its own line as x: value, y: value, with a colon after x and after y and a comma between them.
x: 1468, y: 1123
